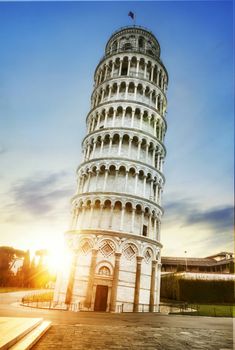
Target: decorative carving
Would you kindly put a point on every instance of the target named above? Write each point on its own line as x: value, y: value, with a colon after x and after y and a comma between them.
x: 85, y: 247
x: 104, y: 271
x: 129, y: 251
x: 148, y: 255
x: 107, y: 248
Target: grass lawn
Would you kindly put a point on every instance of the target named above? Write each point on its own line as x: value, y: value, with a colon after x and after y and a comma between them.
x: 12, y: 289
x: 44, y: 296
x: 214, y: 310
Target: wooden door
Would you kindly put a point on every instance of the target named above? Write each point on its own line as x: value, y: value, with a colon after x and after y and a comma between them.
x: 101, y: 297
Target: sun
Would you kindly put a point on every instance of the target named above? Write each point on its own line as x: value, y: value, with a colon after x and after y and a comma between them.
x: 58, y: 260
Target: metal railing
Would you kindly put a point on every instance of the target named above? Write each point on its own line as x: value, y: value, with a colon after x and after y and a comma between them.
x: 132, y: 49
x: 131, y: 74
x: 51, y: 305
x: 120, y: 308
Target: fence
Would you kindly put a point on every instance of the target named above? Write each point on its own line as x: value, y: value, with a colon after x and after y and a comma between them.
x: 120, y: 308
x: 51, y: 305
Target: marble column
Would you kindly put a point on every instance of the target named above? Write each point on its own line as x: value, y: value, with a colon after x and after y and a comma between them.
x: 151, y: 75
x: 110, y: 144
x: 133, y: 219
x: 114, y: 116
x: 155, y: 126
x: 76, y: 219
x: 120, y: 68
x: 152, y: 286
x: 137, y: 67
x: 139, y: 147
x: 111, y: 216
x: 105, y: 179
x: 137, y: 283
x: 129, y: 66
x: 88, y: 181
x: 113, y: 64
x: 145, y: 70
x: 105, y: 119
x: 91, y: 215
x: 93, y: 152
x: 122, y: 218
x: 132, y: 118
x: 69, y: 291
x: 101, y: 146
x: 120, y: 145
x: 88, y: 299
x: 129, y: 147
x: 100, y: 215
x: 126, y: 180
x: 144, y: 186
x: 113, y: 297
x: 135, y: 91
x: 158, y: 286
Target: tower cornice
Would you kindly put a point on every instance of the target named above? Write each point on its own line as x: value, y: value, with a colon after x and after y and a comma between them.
x: 112, y: 233
x: 131, y: 102
x: 122, y: 196
x: 131, y: 79
x: 121, y: 159
x: 130, y: 130
x: 142, y: 54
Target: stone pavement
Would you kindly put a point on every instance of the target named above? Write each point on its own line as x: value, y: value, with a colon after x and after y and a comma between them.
x: 130, y: 337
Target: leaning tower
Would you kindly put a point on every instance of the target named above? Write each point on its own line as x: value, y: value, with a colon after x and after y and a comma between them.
x: 116, y: 211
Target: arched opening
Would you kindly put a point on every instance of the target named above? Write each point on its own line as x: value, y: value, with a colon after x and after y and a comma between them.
x: 131, y: 88
x: 114, y: 46
x: 133, y: 66
x: 124, y: 66
x: 127, y: 46
x: 122, y: 89
x: 141, y: 42
x: 150, y: 52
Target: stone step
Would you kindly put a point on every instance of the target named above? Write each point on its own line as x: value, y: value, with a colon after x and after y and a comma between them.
x: 12, y: 329
x: 32, y: 337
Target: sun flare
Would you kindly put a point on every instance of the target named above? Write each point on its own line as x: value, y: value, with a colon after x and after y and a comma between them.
x: 58, y: 260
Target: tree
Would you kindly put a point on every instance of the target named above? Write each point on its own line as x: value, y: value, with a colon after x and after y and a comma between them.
x: 7, y: 259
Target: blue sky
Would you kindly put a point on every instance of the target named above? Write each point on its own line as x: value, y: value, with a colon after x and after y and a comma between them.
x: 49, y: 51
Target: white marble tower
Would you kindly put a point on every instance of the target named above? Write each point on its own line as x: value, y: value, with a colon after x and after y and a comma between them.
x: 115, y: 229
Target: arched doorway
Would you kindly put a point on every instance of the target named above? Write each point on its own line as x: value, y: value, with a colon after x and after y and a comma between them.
x: 102, y: 284
x: 101, y: 298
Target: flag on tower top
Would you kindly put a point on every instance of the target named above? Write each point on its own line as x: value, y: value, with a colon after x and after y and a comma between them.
x: 131, y: 14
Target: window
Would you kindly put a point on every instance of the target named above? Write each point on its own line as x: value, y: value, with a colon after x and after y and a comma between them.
x: 127, y: 46
x: 145, y: 230
x: 150, y: 52
x: 141, y: 42
x: 114, y: 46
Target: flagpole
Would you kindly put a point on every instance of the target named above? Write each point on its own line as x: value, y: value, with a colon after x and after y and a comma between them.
x: 132, y: 15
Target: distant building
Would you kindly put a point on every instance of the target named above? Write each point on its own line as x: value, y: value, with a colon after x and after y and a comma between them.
x: 221, y: 263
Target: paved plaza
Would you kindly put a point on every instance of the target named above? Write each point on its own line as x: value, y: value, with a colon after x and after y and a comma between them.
x: 128, y: 336
x: 97, y: 330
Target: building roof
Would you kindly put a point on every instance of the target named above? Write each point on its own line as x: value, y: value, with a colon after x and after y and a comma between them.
x: 190, y: 261
x: 165, y: 260
x: 220, y: 254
